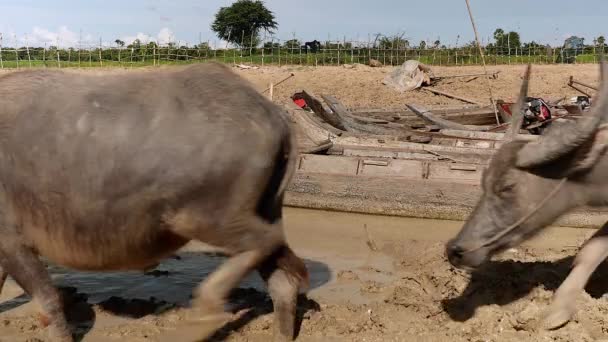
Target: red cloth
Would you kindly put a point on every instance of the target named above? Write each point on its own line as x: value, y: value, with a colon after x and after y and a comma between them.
x: 300, y: 103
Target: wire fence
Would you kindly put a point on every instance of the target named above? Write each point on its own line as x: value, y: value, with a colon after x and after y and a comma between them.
x: 289, y: 52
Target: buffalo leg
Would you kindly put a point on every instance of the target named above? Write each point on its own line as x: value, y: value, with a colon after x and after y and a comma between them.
x: 250, y: 242
x: 284, y: 274
x: 23, y: 265
x: 3, y: 276
x: 593, y: 252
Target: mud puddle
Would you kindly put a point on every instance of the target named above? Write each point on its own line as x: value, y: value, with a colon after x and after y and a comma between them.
x: 373, y: 279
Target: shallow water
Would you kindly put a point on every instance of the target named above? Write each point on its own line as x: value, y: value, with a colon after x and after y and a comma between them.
x: 327, y: 241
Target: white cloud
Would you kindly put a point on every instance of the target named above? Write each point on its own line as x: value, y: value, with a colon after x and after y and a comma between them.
x: 39, y: 37
x: 144, y: 38
x: 62, y: 37
x: 164, y: 36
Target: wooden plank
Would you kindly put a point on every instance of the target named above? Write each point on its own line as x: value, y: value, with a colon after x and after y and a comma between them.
x: 319, y: 109
x: 353, y: 126
x: 443, y: 123
x: 484, y: 135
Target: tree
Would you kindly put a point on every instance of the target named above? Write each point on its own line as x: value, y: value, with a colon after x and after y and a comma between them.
x: 242, y: 22
x: 499, y: 34
x: 422, y: 45
x: 396, y: 42
x: 292, y: 44
x: 119, y: 42
x: 600, y: 41
x: 436, y: 44
x: 135, y: 45
x: 505, y: 41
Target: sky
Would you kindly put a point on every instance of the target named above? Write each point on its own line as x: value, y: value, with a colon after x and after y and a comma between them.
x: 68, y: 22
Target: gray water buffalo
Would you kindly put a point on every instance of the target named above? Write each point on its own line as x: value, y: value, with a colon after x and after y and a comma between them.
x: 528, y: 185
x: 118, y: 171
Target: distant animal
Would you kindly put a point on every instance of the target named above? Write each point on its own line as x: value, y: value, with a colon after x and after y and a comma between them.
x: 529, y: 184
x: 313, y: 46
x: 118, y: 171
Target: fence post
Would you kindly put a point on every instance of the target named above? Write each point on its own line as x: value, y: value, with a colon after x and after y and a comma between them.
x: 214, y: 50
x: 58, y: 60
x: 369, y: 48
x: 392, y: 49
x: 251, y: 47
x: 509, y: 47
x: 352, y: 50
x: 200, y: 42
x: 29, y: 58
x: 594, y: 61
x: 263, y: 47
x: 16, y: 51
x: 100, y: 58
x: 242, y: 42
x: 1, y: 60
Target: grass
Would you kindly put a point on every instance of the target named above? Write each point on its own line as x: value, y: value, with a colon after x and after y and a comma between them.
x: 437, y: 58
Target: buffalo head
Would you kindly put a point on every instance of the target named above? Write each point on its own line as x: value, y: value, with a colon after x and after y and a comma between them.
x: 529, y: 184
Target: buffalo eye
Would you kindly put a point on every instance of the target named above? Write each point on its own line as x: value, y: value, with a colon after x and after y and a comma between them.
x: 504, y: 188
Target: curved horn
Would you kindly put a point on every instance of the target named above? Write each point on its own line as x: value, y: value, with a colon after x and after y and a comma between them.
x: 517, y: 116
x: 563, y: 140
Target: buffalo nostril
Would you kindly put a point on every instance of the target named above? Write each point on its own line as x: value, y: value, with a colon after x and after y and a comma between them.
x: 455, y: 253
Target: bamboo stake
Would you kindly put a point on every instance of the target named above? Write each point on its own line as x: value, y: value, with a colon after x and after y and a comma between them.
x: 271, y: 92
x: 483, y: 61
x: 1, y: 61
x: 463, y: 99
x: 281, y: 81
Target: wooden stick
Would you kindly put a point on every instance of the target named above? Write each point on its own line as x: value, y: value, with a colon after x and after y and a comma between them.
x: 483, y: 61
x: 579, y: 90
x: 573, y: 81
x: 427, y: 115
x: 271, y: 92
x: 440, y: 92
x: 494, y: 74
x: 281, y: 81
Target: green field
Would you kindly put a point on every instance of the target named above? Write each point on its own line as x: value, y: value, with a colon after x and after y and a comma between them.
x: 145, y: 57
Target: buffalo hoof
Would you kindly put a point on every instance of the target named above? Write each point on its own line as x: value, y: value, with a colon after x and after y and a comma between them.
x: 197, y: 329
x: 59, y: 335
x: 558, y: 316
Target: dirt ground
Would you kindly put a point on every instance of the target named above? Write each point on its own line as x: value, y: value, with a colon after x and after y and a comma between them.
x: 403, y: 290
x: 362, y: 86
x: 399, y: 289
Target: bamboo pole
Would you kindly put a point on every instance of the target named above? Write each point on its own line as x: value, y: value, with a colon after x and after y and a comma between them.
x: 271, y: 91
x: 483, y: 61
x: 463, y: 99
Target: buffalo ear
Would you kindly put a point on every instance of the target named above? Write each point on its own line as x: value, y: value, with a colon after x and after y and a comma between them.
x: 575, y: 163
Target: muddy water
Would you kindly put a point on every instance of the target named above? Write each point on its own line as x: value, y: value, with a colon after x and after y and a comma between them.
x: 373, y: 278
x: 328, y: 241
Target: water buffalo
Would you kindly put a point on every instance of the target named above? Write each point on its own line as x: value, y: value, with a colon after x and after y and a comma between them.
x: 118, y: 171
x: 528, y: 185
